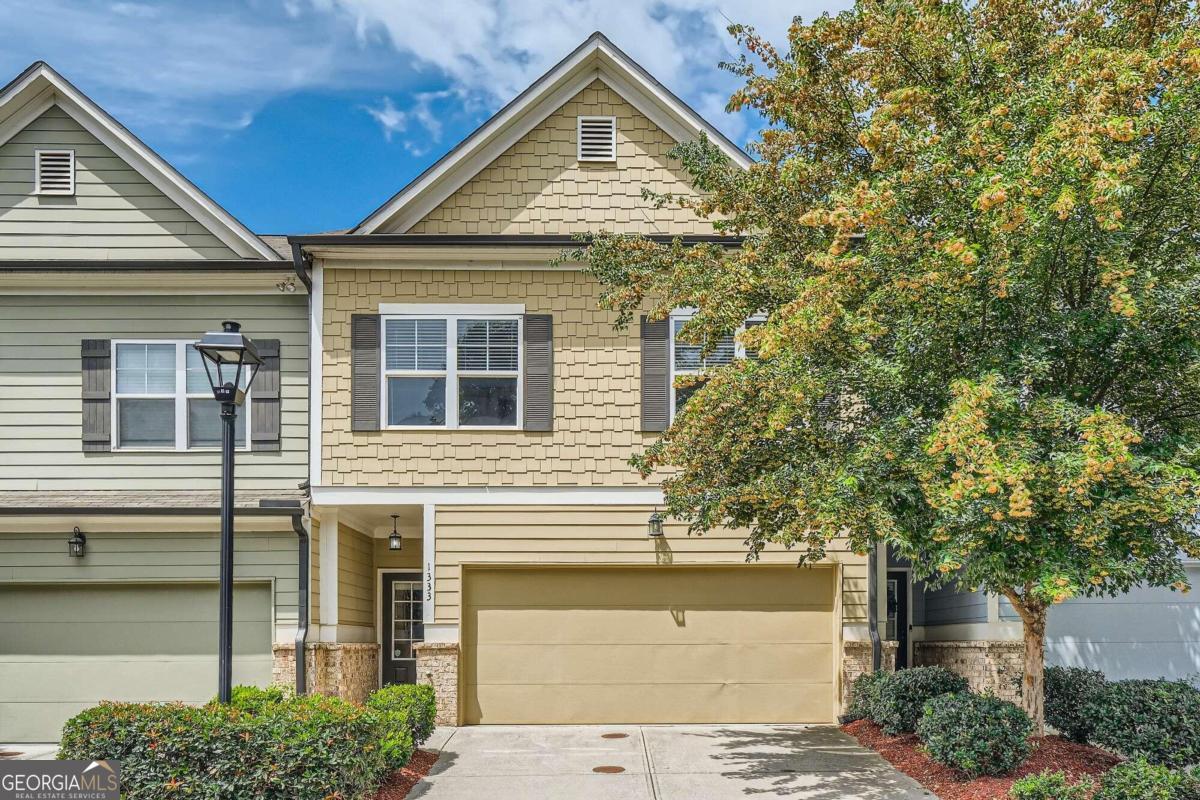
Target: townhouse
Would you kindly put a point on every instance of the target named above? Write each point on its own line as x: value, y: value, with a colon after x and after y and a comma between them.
x: 111, y: 264
x: 433, y: 464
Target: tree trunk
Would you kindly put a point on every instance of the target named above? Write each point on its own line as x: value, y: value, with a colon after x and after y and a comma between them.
x: 1033, y: 618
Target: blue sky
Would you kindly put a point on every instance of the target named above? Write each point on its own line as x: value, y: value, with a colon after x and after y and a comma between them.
x: 304, y: 115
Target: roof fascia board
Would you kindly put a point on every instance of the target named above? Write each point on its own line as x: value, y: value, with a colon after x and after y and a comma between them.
x: 153, y: 167
x: 599, y: 59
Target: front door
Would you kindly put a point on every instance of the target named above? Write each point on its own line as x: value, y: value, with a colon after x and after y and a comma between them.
x: 403, y: 625
x: 897, y: 615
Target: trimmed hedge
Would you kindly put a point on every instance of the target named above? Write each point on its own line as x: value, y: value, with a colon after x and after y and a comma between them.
x: 1069, y: 691
x: 864, y: 695
x: 255, y: 700
x: 1141, y: 780
x: 1158, y: 721
x: 1050, y: 786
x: 302, y: 748
x: 975, y: 734
x: 903, y: 695
x: 408, y: 710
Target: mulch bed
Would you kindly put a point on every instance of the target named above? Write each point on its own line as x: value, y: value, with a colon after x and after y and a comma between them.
x: 1050, y: 753
x: 402, y: 780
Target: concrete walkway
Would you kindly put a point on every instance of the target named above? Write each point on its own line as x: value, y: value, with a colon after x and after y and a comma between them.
x: 658, y: 762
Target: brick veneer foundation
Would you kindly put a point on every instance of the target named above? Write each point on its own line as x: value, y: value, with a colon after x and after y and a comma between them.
x: 856, y: 660
x: 988, y: 666
x: 338, y: 669
x: 437, y: 666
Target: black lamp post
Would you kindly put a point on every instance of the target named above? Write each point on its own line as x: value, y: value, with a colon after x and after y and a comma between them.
x: 227, y: 356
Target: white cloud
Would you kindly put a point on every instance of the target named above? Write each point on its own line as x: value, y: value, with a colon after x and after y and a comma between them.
x: 183, y: 66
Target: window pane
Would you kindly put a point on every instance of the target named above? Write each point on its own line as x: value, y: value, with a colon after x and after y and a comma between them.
x: 687, y: 355
x: 487, y: 401
x: 204, y: 423
x: 197, y: 378
x: 416, y: 401
x: 145, y: 423
x: 416, y: 344
x: 146, y: 368
x: 487, y: 345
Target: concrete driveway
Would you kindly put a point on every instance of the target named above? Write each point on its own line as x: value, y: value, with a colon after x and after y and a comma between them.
x: 658, y: 762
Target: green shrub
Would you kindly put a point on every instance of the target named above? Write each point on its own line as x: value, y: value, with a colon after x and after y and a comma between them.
x: 1069, y: 691
x: 1050, y: 786
x: 903, y: 694
x: 1140, y: 780
x: 254, y: 700
x: 976, y: 735
x: 307, y: 748
x: 407, y: 712
x: 1155, y: 720
x: 864, y: 694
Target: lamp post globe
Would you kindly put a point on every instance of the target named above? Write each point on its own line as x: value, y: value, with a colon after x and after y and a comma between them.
x: 230, y: 361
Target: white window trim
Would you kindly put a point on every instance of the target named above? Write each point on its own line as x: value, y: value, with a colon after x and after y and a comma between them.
x: 451, y: 373
x: 37, y: 172
x: 682, y: 315
x: 180, y: 395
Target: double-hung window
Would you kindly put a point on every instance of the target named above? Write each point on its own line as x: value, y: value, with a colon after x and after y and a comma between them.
x: 688, y: 359
x: 162, y: 399
x: 452, y: 371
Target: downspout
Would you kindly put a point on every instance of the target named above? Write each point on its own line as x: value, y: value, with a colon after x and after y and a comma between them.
x: 303, y: 266
x: 873, y: 607
x: 302, y: 604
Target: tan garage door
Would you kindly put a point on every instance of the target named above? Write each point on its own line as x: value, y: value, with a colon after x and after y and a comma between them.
x: 654, y: 644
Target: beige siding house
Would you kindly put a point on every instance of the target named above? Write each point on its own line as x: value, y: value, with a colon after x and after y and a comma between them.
x: 475, y: 400
x: 111, y: 265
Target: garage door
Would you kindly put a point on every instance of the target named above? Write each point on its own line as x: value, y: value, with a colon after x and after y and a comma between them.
x: 65, y: 647
x: 1147, y: 633
x: 655, y: 644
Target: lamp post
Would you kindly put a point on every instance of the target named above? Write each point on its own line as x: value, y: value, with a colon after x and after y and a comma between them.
x: 231, y: 362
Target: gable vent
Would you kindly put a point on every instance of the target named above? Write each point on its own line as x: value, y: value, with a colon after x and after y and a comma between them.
x: 54, y: 172
x: 597, y: 138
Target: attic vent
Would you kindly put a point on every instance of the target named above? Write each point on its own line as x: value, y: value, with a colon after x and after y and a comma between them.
x: 597, y: 138
x: 54, y: 172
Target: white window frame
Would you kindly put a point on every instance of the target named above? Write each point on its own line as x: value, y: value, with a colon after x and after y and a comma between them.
x: 683, y: 315
x: 180, y: 396
x: 451, y: 373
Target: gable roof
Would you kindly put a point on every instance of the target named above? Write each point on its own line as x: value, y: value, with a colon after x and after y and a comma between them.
x: 40, y: 87
x: 596, y: 58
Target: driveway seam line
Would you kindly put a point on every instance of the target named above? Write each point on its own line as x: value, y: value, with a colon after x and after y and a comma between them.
x: 649, y: 765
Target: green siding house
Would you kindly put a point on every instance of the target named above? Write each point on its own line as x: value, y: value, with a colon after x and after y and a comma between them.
x: 111, y: 265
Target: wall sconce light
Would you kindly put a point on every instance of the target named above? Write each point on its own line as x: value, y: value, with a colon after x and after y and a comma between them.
x: 76, y: 544
x: 394, y: 542
x: 654, y: 526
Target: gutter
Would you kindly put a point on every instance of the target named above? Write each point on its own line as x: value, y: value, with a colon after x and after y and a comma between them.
x: 457, y: 240
x: 224, y: 265
x: 266, y: 508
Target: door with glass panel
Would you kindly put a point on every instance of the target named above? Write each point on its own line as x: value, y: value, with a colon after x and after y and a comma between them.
x: 402, y: 625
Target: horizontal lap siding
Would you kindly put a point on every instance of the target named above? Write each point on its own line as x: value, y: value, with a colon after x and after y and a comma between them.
x: 41, y: 407
x: 156, y: 556
x: 596, y: 535
x: 114, y: 213
x: 356, y: 578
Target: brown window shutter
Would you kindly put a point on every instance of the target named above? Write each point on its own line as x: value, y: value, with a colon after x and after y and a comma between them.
x: 656, y: 374
x: 264, y: 398
x: 96, y: 363
x: 364, y: 372
x: 538, y: 388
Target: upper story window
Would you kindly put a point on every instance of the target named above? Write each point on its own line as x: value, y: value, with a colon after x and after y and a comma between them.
x: 162, y: 399
x: 688, y: 358
x: 452, y: 371
x: 54, y: 172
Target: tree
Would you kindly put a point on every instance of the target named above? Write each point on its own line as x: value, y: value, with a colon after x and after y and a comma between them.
x: 972, y: 228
